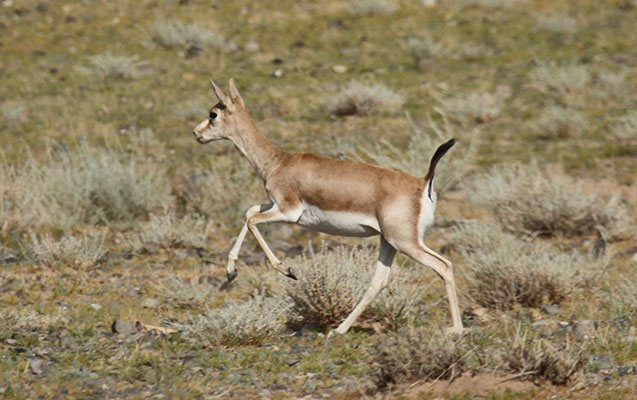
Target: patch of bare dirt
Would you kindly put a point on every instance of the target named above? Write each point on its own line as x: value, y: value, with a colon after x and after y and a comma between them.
x: 479, y: 385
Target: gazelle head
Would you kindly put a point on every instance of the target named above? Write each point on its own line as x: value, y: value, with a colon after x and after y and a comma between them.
x: 224, y: 118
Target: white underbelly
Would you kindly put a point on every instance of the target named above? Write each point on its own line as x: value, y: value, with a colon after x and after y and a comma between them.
x: 342, y: 223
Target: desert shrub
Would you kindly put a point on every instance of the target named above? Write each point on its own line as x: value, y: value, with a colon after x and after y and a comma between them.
x: 493, y: 3
x: 13, y: 111
x: 417, y: 353
x: 535, y: 358
x: 559, y: 122
x: 612, y: 83
x: 626, y: 127
x: 331, y: 283
x: 425, y: 48
x: 111, y: 66
x: 527, y: 198
x: 241, y: 323
x: 169, y: 231
x: 473, y: 107
x: 560, y: 78
x: 183, y: 293
x: 504, y: 270
x: 362, y: 99
x: 371, y: 7
x: 622, y: 299
x: 24, y: 317
x: 421, y: 147
x: 224, y: 191
x: 556, y: 22
x: 185, y: 35
x: 70, y: 251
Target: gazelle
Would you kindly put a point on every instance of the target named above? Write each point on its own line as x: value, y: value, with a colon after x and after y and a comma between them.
x: 333, y: 196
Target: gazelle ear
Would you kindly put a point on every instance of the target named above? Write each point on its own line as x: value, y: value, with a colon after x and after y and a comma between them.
x: 220, y: 94
x: 234, y: 94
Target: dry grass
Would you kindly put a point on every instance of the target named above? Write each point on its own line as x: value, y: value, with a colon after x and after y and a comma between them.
x: 415, y: 354
x: 493, y: 3
x: 167, y: 231
x: 69, y: 251
x: 361, y: 99
x: 424, y: 49
x: 473, y: 107
x: 331, y: 283
x: 543, y: 359
x: 371, y: 7
x: 504, y: 271
x: 178, y: 34
x: 547, y: 201
x: 414, y: 160
x: 559, y: 122
x: 252, y: 322
x: 109, y: 66
x: 626, y: 127
x: 556, y: 22
x: 183, y: 293
x: 560, y: 78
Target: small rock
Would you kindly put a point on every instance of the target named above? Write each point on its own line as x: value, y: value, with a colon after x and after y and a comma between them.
x: 251, y: 47
x: 278, y: 73
x: 36, y: 364
x: 122, y: 327
x: 151, y: 303
x: 551, y: 309
x: 96, y: 306
x: 339, y: 69
x: 585, y: 329
x: 291, y: 361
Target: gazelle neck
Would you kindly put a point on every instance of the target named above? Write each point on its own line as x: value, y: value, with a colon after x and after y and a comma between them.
x: 262, y: 155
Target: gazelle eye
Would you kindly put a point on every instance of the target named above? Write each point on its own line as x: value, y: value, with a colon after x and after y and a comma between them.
x: 212, y: 115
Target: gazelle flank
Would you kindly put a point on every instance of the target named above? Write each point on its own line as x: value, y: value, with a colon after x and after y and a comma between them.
x: 333, y: 196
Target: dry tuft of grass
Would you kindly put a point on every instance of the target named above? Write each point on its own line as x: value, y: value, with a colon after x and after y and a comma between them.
x: 556, y: 22
x: 252, y: 322
x: 178, y: 34
x: 168, y: 231
x: 426, y: 49
x: 559, y: 122
x: 415, y: 354
x: 421, y: 147
x: 109, y: 66
x: 371, y: 7
x: 547, y: 201
x: 361, y: 99
x: 473, y: 107
x: 626, y: 127
x: 504, y: 271
x: 331, y: 283
x: 13, y: 111
x: 543, y: 359
x: 69, y: 251
x: 183, y: 293
x: 560, y: 78
x: 493, y: 3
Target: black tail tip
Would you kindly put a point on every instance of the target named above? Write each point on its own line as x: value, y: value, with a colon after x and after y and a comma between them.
x: 449, y: 143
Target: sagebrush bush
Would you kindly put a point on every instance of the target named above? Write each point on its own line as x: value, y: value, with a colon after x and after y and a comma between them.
x: 88, y: 185
x: 68, y: 251
x: 426, y: 48
x: 527, y: 198
x: 504, y: 270
x: 559, y: 122
x: 626, y: 127
x: 543, y: 359
x: 473, y: 107
x: 185, y: 35
x: 556, y: 22
x: 241, y: 323
x: 560, y: 78
x: 371, y: 7
x: 112, y: 66
x: 183, y: 293
x: 331, y: 283
x: 168, y: 231
x: 361, y: 99
x: 416, y: 354
x: 414, y: 160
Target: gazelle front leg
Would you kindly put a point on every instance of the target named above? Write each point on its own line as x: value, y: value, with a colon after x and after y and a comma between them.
x: 379, y: 281
x: 233, y: 256
x: 274, y: 214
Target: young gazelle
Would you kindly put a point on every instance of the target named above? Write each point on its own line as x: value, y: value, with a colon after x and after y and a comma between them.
x: 333, y: 196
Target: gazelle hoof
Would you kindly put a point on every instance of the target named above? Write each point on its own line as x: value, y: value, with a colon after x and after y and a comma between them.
x: 454, y: 331
x: 291, y: 274
x: 232, y: 275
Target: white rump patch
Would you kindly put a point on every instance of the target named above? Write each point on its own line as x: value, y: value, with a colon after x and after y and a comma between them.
x: 426, y: 216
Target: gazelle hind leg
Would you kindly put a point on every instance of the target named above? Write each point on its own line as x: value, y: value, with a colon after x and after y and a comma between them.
x: 444, y: 269
x: 379, y: 281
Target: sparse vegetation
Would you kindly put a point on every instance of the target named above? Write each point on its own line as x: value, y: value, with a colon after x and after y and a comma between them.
x: 560, y: 78
x: 626, y: 127
x: 78, y: 252
x: 371, y: 7
x: 547, y: 201
x: 361, y: 99
x: 178, y: 34
x: 558, y: 122
x: 107, y: 65
x: 180, y: 292
x: 474, y: 107
x: 168, y: 231
x: 556, y: 22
